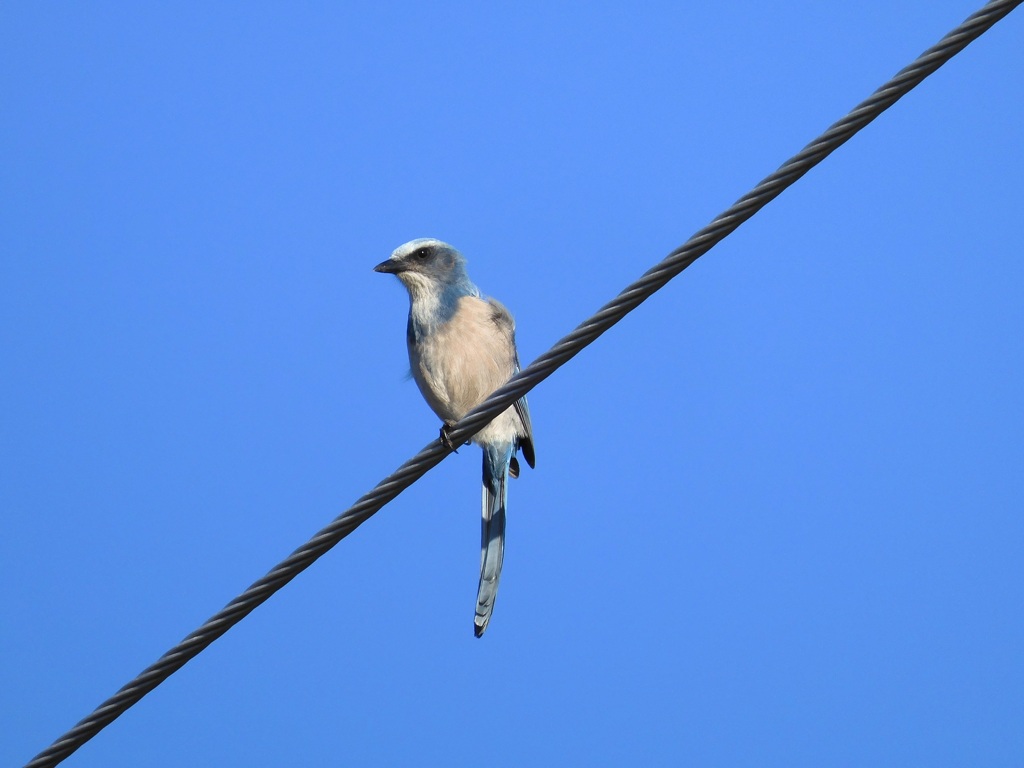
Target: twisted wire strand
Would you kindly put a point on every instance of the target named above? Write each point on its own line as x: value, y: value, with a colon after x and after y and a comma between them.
x: 567, y: 348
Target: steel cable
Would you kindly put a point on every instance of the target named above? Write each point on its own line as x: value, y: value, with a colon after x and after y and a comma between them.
x: 527, y: 379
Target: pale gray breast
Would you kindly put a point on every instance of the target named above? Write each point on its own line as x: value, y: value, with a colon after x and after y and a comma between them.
x: 465, y: 359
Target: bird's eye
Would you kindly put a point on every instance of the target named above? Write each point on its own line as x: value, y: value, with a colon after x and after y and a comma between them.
x: 422, y: 254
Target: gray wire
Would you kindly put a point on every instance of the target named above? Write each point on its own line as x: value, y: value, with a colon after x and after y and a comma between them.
x: 527, y: 379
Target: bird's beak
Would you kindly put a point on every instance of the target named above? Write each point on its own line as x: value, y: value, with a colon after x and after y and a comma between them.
x: 390, y: 266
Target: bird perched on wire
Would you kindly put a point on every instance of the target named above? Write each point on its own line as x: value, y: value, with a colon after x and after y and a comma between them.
x: 461, y: 348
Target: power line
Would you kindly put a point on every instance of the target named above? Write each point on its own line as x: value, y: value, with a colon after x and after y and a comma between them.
x: 527, y: 379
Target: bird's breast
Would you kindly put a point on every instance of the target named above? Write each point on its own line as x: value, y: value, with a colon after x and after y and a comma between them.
x: 457, y: 363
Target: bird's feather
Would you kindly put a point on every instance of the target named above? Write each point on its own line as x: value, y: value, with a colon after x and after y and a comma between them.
x: 492, y: 530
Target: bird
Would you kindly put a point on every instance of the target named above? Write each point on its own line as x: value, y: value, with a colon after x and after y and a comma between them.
x: 461, y: 348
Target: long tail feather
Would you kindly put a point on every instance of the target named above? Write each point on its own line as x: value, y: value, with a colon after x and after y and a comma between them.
x: 492, y: 531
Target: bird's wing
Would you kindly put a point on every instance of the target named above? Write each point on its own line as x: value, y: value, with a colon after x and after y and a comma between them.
x: 507, y: 326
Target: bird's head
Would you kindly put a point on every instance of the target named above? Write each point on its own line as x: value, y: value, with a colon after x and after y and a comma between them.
x: 425, y: 265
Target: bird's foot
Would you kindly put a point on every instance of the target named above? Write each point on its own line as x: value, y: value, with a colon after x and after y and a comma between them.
x: 446, y: 438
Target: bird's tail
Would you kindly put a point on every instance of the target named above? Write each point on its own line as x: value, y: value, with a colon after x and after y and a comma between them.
x: 492, y: 530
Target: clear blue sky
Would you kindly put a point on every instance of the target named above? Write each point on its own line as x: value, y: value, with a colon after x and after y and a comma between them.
x: 776, y: 518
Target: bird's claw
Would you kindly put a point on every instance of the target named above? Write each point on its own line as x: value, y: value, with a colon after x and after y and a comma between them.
x: 446, y: 438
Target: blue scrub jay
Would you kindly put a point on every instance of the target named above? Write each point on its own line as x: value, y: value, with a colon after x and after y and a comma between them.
x: 461, y: 348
